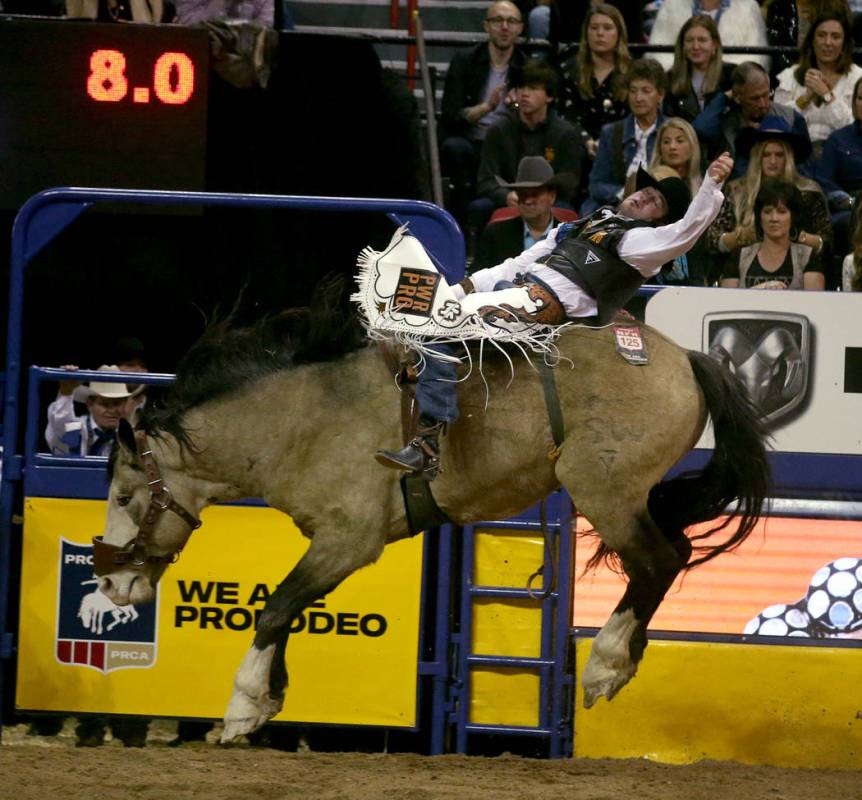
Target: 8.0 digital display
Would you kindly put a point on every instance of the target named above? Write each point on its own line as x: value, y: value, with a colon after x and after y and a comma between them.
x: 107, y: 105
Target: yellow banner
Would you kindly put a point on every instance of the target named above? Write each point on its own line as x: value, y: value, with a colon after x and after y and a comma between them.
x: 352, y: 658
x: 758, y: 704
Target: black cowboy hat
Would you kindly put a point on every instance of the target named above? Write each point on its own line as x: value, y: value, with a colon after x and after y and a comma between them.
x: 674, y: 190
x: 534, y: 172
x: 773, y: 128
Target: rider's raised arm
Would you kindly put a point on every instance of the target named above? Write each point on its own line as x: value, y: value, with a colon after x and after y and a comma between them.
x: 647, y: 249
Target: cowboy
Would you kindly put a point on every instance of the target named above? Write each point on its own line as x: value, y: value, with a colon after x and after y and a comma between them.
x: 535, y: 188
x: 91, y: 434
x: 583, y: 271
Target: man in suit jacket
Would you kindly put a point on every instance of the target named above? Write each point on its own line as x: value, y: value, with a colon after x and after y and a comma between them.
x: 536, y: 187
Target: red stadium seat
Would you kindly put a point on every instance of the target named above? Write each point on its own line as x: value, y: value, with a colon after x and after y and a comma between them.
x: 562, y: 214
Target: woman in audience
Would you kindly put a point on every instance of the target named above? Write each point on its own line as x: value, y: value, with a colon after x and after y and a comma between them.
x: 698, y: 72
x: 821, y: 84
x: 776, y: 260
x: 677, y: 153
x: 788, y: 23
x: 593, y: 90
x: 739, y: 21
x: 678, y: 148
x: 774, y: 150
x: 851, y: 271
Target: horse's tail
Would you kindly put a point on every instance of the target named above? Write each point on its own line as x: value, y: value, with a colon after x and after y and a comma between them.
x: 737, y: 472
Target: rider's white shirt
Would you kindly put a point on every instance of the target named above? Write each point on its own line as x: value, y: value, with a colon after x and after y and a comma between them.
x: 645, y: 249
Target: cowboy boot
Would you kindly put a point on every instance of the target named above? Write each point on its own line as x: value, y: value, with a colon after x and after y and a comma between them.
x: 422, y: 453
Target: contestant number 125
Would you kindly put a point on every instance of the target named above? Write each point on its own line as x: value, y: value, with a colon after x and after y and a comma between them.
x: 173, y: 79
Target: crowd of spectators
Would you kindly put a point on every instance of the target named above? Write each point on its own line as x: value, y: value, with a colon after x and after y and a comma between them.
x: 595, y: 113
x: 793, y: 127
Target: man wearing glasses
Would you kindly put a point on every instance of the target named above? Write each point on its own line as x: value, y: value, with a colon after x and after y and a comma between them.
x: 474, y: 97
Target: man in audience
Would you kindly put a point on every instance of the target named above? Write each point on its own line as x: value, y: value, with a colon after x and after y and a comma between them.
x: 749, y: 101
x: 91, y: 434
x: 535, y: 189
x: 534, y: 129
x: 628, y: 143
x: 474, y: 96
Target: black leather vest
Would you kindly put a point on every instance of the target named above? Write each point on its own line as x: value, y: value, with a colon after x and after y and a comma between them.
x: 586, y: 254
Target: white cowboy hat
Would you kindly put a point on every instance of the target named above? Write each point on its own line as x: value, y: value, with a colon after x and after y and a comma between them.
x: 111, y: 390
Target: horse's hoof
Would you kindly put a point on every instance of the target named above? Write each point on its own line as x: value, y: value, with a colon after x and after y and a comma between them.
x: 245, y: 714
x: 602, y: 678
x: 608, y: 689
x: 235, y: 729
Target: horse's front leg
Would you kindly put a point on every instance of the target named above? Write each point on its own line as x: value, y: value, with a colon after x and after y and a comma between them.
x: 651, y: 563
x: 261, y: 680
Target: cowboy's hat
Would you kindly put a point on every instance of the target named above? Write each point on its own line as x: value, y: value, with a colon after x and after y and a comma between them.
x: 534, y: 172
x: 107, y: 389
x: 674, y: 190
x: 773, y: 129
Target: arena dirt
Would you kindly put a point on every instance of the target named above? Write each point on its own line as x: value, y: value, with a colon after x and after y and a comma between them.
x: 36, y: 768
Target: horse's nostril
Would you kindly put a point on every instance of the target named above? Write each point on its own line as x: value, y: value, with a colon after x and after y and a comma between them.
x: 106, y: 586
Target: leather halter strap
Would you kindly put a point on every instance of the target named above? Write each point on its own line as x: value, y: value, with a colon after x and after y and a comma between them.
x: 109, y: 558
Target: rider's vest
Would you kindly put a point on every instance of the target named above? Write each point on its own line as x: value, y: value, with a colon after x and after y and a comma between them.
x: 586, y: 254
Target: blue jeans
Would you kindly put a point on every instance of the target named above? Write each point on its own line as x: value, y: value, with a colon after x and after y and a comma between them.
x: 436, y: 390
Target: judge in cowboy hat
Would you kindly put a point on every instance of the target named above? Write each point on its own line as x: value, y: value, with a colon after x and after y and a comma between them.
x: 536, y: 186
x: 90, y: 434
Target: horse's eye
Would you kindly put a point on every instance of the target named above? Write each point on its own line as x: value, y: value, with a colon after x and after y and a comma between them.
x: 123, y: 500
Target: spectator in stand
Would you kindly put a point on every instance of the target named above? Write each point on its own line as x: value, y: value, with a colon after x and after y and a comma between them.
x: 534, y: 129
x: 91, y: 434
x: 851, y: 269
x: 740, y: 24
x: 774, y: 150
x: 146, y: 11
x: 594, y: 92
x: 572, y: 15
x: 539, y: 15
x: 698, y: 72
x: 678, y: 149
x: 745, y: 106
x: 839, y: 171
x: 821, y: 85
x: 677, y: 154
x: 193, y: 12
x: 536, y: 188
x: 474, y: 97
x: 776, y: 260
x: 628, y: 143
x: 788, y: 23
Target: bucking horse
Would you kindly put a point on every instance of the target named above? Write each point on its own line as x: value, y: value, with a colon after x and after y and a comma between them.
x: 292, y: 410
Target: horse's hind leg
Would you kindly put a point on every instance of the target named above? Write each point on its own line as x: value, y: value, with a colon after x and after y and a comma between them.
x: 651, y: 562
x: 261, y: 680
x: 615, y: 502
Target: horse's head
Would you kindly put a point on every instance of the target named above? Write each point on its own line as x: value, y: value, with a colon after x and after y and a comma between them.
x: 153, y: 507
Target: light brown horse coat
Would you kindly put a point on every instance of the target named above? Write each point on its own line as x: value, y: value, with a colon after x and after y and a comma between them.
x: 303, y: 439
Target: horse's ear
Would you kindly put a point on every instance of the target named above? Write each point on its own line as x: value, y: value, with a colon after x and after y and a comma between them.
x: 126, y: 436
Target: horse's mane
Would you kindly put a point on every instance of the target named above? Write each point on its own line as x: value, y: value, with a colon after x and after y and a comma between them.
x: 228, y: 358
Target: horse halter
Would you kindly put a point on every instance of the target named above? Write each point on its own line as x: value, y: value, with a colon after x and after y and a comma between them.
x: 108, y: 558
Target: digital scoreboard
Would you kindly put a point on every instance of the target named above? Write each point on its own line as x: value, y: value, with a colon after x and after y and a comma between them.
x: 107, y: 105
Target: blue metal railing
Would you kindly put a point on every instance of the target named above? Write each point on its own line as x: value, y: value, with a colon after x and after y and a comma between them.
x: 553, y: 599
